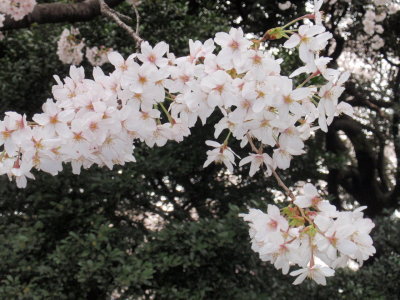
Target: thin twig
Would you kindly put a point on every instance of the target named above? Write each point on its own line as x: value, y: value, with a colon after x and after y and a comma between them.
x: 288, y: 192
x: 108, y: 12
x: 123, y: 17
x: 253, y: 147
x: 137, y: 17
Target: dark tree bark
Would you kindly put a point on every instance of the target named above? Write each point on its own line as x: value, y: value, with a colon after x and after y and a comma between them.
x: 362, y: 180
x: 59, y: 12
x: 334, y: 145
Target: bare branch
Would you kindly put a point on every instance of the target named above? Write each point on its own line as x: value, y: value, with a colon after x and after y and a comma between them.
x: 137, y: 17
x: 109, y: 13
x: 59, y: 12
x: 123, y: 17
x: 363, y: 100
x: 288, y: 192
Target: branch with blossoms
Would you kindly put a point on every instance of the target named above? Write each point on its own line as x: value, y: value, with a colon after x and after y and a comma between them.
x: 70, y: 46
x: 70, y: 49
x: 14, y: 10
x: 155, y: 97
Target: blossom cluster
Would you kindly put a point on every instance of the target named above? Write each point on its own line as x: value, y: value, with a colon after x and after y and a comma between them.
x: 98, y: 56
x: 16, y: 9
x: 155, y: 97
x: 373, y: 19
x: 96, y: 121
x: 312, y: 234
x: 70, y: 49
x: 262, y: 106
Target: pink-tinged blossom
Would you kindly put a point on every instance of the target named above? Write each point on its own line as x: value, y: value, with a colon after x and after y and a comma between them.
x: 98, y: 56
x: 310, y: 39
x: 317, y: 66
x: 199, y: 50
x: 69, y: 47
x: 233, y: 45
x: 283, y: 155
x: 155, y: 97
x: 182, y: 78
x: 153, y: 56
x: 17, y: 9
x: 311, y: 198
x: 54, y: 120
x: 316, y: 273
x: 221, y: 154
x: 219, y: 88
x: 121, y: 65
x: 256, y: 161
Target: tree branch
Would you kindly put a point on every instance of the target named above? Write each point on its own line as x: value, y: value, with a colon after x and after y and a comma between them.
x: 137, y: 17
x: 363, y: 183
x: 395, y: 134
x: 288, y: 192
x: 109, y: 13
x: 365, y: 101
x: 59, y: 12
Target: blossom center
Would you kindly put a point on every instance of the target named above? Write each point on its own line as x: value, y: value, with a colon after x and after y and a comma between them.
x: 265, y: 123
x: 78, y: 136
x: 273, y: 224
x: 219, y: 88
x: 257, y: 59
x: 287, y: 100
x: 184, y: 78
x: 152, y: 58
x: 142, y: 79
x: 53, y: 120
x: 305, y: 39
x: 6, y: 134
x: 260, y: 94
x: 234, y: 45
x: 93, y: 126
x: 315, y: 200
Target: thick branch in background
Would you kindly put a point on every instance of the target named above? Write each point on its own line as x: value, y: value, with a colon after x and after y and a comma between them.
x: 394, y: 197
x: 334, y: 145
x: 60, y: 12
x: 362, y: 181
x: 363, y: 100
x: 366, y: 190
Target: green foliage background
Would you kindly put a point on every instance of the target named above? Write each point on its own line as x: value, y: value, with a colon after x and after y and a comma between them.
x: 83, y: 237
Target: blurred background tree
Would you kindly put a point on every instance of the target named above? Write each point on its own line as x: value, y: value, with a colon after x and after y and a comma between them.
x: 164, y: 227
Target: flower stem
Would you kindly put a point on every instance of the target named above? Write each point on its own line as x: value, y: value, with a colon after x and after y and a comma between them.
x: 308, y: 79
x: 295, y: 20
x: 227, y: 138
x: 170, y: 119
x: 288, y: 192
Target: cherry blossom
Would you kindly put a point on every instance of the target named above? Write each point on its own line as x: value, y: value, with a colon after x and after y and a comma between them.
x: 16, y: 9
x: 316, y: 273
x: 97, y: 56
x: 310, y: 233
x: 69, y: 47
x: 221, y: 154
x: 155, y: 97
